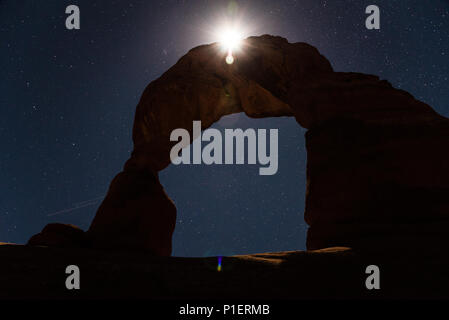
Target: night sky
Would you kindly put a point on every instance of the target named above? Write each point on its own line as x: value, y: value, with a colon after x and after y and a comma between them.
x: 67, y: 102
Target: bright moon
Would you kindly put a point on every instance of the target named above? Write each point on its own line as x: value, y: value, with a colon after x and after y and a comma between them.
x: 230, y: 40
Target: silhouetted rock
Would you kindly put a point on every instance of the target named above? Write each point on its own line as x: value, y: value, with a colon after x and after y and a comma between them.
x: 136, y: 214
x: 378, y: 184
x: 201, y: 86
x: 59, y: 235
x: 376, y: 157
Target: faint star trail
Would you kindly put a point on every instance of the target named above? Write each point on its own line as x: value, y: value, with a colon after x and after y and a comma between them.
x: 77, y: 206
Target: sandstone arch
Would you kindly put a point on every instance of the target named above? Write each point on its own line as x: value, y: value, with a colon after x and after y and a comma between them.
x: 365, y: 182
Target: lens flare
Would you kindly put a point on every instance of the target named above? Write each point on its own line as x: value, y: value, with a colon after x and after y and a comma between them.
x: 229, y: 58
x: 219, y: 264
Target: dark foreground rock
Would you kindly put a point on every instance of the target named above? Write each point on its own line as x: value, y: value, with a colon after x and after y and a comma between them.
x: 334, y: 273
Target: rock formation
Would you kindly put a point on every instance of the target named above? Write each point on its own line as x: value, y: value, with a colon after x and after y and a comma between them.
x: 377, y: 158
x: 59, y: 235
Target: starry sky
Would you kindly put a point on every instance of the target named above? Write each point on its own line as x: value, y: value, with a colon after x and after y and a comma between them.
x: 67, y: 101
